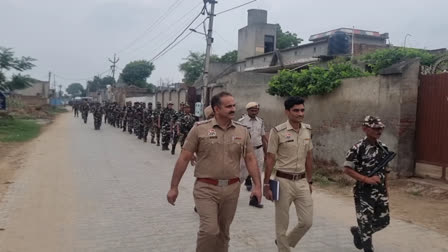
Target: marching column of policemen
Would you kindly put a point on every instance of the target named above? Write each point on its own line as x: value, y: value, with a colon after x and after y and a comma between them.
x: 224, y: 152
x: 166, y: 124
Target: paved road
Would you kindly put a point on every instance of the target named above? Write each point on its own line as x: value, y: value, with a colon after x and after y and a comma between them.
x: 86, y: 190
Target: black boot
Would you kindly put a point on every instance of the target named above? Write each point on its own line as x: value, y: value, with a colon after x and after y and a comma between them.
x: 356, y: 237
x: 165, y: 147
x: 152, y: 140
x: 173, y: 149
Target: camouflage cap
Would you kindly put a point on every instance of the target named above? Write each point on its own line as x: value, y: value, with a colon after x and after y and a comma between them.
x: 373, y: 122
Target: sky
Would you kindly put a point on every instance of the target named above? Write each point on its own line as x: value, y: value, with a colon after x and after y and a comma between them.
x: 75, y: 39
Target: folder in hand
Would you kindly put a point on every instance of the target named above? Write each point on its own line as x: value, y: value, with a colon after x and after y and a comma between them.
x: 275, y: 188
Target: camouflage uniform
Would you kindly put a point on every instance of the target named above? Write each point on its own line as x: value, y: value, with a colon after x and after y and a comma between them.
x: 176, y: 127
x: 166, y: 119
x: 371, y: 201
x: 97, y: 112
x: 148, y: 120
x: 139, y: 122
x: 130, y: 118
x: 155, y: 131
x: 85, y: 111
x: 186, y: 122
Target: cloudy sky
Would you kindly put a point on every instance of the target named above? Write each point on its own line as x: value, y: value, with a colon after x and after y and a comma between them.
x: 74, y: 39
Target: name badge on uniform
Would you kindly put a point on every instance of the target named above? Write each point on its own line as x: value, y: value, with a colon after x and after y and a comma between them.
x: 288, y: 137
x: 236, y: 138
x: 212, y: 133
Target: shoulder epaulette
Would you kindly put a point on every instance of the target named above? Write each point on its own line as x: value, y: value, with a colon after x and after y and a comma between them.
x: 307, y: 126
x: 203, y: 122
x: 280, y: 127
x: 240, y: 124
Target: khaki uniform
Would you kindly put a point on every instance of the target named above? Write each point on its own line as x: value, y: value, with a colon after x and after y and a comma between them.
x: 290, y: 148
x: 218, y: 157
x: 257, y: 131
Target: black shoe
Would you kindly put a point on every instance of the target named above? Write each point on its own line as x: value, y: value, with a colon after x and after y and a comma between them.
x: 249, y: 187
x: 254, y: 202
x: 152, y: 141
x: 356, y: 237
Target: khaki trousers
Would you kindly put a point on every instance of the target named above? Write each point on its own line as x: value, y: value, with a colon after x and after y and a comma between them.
x: 296, y: 192
x: 216, y: 207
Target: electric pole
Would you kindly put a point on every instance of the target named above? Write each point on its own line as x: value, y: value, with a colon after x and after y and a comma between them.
x: 114, y: 65
x: 206, y: 93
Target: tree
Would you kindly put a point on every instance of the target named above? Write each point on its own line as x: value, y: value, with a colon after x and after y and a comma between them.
x: 286, y: 39
x: 136, y: 73
x: 193, y: 66
x: 99, y: 83
x: 229, y: 57
x: 75, y: 90
x: 313, y: 81
x: 9, y: 62
x: 381, y: 59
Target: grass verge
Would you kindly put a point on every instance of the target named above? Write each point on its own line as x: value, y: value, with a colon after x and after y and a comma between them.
x: 18, y: 130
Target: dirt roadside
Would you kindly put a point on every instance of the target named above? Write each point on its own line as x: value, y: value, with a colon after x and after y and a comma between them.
x: 405, y: 204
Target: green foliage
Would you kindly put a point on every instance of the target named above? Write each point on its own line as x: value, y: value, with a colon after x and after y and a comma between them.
x: 99, y: 83
x: 229, y: 57
x: 75, y: 90
x: 17, y: 130
x: 286, y: 39
x: 193, y: 65
x: 136, y: 72
x: 313, y: 81
x: 9, y: 62
x: 381, y: 59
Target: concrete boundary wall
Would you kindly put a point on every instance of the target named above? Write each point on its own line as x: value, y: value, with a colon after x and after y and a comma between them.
x: 336, y: 117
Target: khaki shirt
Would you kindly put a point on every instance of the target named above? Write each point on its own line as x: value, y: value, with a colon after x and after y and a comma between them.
x: 256, y: 129
x: 218, y: 150
x: 290, y: 147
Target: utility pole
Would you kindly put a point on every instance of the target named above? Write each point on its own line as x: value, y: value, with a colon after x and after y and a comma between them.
x: 206, y: 93
x: 114, y: 65
x: 45, y: 92
x: 353, y: 43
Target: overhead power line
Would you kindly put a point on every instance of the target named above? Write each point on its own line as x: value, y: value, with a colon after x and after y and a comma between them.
x: 180, y: 35
x: 170, y: 10
x: 236, y: 7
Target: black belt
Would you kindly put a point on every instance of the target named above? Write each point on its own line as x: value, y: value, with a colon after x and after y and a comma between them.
x: 290, y: 176
x: 258, y: 147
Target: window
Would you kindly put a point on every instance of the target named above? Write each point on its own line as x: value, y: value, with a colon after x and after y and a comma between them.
x: 268, y: 43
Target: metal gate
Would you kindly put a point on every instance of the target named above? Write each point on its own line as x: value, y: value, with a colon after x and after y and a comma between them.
x: 432, y: 121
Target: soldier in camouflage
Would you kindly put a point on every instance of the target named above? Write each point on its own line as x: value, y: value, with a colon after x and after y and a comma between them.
x: 85, y: 111
x: 166, y: 122
x: 186, y: 122
x: 155, y: 131
x: 148, y: 120
x: 125, y: 115
x: 370, y: 193
x: 97, y: 112
x: 130, y: 118
x: 176, y: 127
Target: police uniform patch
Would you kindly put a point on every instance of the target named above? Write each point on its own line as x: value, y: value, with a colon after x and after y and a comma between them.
x: 211, y: 133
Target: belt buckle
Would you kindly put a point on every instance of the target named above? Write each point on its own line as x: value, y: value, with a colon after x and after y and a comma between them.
x: 223, y: 182
x: 295, y: 176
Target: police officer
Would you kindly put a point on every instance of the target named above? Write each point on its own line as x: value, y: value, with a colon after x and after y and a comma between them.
x: 258, y: 139
x: 370, y: 193
x: 290, y: 153
x: 220, y: 143
x: 155, y: 131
